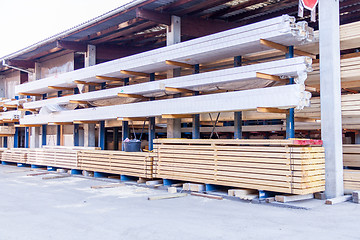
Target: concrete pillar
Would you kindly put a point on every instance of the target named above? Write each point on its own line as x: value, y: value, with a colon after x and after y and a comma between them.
x: 89, y: 129
x: 173, y: 36
x: 89, y: 135
x: 330, y: 96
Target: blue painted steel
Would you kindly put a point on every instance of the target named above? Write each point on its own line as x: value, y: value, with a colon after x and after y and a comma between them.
x: 212, y: 187
x: 116, y: 138
x: 51, y: 169
x: 23, y: 165
x: 16, y: 138
x: 290, y: 122
x: 125, y: 132
x: 76, y: 172
x: 43, y: 135
x: 27, y: 137
x: 44, y: 96
x: 266, y: 194
x: 76, y: 91
x: 100, y: 174
x: 37, y: 166
x: 76, y: 135
x: 169, y: 182
x: 127, y: 178
x: 7, y: 163
x: 16, y: 97
x: 102, y: 136
x: 59, y: 93
x: 58, y: 135
x: 151, y: 133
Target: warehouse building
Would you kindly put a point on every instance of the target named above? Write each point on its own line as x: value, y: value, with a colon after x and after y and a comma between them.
x: 187, y: 77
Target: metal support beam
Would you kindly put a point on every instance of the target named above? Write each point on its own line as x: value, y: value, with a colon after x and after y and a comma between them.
x: 151, y: 121
x: 237, y: 115
x: 330, y: 98
x: 27, y: 137
x: 43, y: 135
x: 16, y: 138
x: 58, y: 135
x: 290, y: 122
x: 196, y: 117
x: 76, y: 135
x: 116, y: 138
x: 102, y: 135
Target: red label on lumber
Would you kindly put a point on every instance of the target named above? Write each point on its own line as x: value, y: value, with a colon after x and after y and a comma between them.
x: 310, y: 4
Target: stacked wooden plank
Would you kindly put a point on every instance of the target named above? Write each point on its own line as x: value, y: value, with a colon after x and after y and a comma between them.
x: 351, y: 179
x: 351, y: 158
x: 16, y: 155
x: 64, y: 158
x: 287, y: 166
x: 137, y: 164
x: 1, y: 152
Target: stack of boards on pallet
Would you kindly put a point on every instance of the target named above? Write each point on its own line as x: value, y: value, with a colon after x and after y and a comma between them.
x: 137, y: 164
x: 286, y: 166
x: 16, y: 155
x: 1, y: 152
x: 56, y: 156
x: 351, y: 157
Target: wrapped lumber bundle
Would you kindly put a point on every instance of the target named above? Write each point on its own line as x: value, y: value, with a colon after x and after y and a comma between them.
x: 16, y: 155
x: 64, y: 158
x: 351, y: 179
x: 287, y: 166
x: 137, y: 164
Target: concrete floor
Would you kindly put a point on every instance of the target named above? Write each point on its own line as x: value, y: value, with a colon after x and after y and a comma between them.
x: 67, y: 208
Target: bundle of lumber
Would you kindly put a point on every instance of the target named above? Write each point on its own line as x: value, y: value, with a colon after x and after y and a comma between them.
x: 7, y: 130
x: 64, y: 158
x: 351, y: 155
x: 16, y: 155
x: 287, y: 166
x: 1, y: 152
x: 351, y: 179
x: 137, y: 164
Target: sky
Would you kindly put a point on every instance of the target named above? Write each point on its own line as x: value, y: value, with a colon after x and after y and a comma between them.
x: 25, y: 22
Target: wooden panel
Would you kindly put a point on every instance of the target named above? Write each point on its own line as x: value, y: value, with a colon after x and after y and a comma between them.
x: 273, y: 165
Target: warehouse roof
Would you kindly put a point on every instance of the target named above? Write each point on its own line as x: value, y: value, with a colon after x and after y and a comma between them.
x: 140, y: 25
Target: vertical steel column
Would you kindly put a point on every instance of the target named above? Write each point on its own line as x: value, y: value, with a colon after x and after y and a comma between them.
x: 76, y: 134
x: 151, y: 121
x: 102, y: 135
x: 290, y: 123
x: 27, y: 137
x: 43, y: 135
x: 58, y: 127
x: 237, y: 115
x: 125, y: 124
x: 16, y: 138
x: 196, y: 117
x: 116, y: 138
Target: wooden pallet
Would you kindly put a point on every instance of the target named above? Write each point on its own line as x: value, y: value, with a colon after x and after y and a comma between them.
x: 286, y: 166
x: 137, y: 164
x: 351, y: 179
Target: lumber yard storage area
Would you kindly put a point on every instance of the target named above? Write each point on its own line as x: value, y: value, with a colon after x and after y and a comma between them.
x: 160, y: 106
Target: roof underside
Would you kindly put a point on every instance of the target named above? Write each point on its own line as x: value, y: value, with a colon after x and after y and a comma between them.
x: 126, y: 28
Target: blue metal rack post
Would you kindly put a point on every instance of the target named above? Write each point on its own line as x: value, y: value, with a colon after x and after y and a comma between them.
x: 290, y: 123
